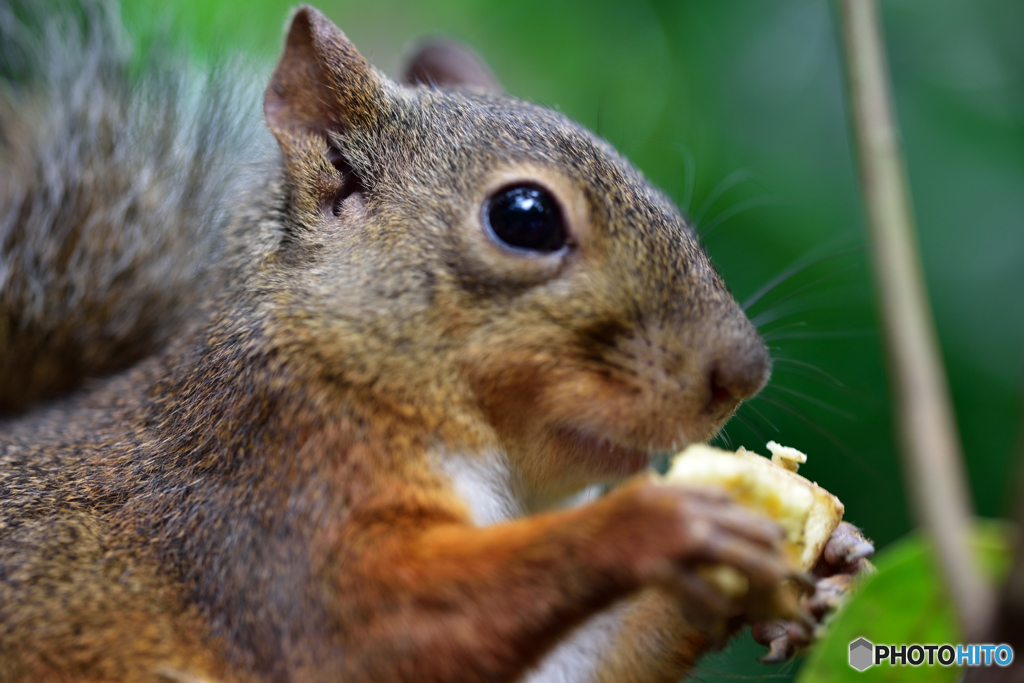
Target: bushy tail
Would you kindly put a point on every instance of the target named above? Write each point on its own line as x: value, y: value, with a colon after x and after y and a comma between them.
x: 115, y: 171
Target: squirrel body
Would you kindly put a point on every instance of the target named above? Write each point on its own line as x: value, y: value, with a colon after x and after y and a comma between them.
x: 338, y: 429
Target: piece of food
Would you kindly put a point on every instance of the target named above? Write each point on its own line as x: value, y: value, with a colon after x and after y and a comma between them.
x: 807, y: 513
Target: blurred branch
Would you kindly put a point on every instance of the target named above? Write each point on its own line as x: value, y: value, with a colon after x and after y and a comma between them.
x: 933, y: 464
x: 1008, y: 626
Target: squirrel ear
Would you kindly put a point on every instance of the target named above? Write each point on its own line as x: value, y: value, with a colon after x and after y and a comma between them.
x: 447, y: 64
x: 322, y: 83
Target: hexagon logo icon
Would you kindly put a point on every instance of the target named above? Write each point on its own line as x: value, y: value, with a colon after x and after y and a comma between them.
x: 862, y: 654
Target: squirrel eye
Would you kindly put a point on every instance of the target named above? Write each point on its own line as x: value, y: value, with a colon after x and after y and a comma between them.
x: 526, y: 217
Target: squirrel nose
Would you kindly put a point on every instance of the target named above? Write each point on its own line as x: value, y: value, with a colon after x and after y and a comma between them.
x: 738, y: 373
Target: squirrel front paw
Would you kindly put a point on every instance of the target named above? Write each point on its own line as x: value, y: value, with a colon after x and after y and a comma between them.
x: 843, y: 560
x: 672, y: 534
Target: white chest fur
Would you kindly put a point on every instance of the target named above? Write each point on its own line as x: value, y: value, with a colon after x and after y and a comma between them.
x: 577, y: 659
x: 488, y: 485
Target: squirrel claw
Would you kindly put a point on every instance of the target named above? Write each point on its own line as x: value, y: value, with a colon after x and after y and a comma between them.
x: 804, y: 582
x: 842, y: 561
x: 846, y: 552
x: 779, y: 651
x: 859, y: 551
x: 782, y: 638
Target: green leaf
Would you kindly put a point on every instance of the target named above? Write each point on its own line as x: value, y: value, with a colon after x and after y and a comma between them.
x: 903, y: 603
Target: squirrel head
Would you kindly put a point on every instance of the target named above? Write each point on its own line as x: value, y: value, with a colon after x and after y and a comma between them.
x: 491, y: 268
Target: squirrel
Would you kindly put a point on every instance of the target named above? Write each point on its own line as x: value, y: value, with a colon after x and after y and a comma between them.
x: 335, y: 408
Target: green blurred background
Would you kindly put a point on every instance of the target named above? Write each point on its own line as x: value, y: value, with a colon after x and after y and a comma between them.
x: 737, y: 110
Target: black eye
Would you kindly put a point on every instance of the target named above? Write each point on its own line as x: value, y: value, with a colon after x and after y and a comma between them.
x: 526, y: 217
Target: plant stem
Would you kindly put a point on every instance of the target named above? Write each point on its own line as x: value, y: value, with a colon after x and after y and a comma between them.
x: 1008, y: 621
x: 932, y: 460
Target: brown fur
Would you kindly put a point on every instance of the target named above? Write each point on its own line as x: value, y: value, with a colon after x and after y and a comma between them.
x: 260, y: 499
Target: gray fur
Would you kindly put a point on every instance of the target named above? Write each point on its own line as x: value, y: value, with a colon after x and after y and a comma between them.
x: 115, y: 169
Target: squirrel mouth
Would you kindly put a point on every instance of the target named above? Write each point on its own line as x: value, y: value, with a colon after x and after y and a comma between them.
x: 612, y: 459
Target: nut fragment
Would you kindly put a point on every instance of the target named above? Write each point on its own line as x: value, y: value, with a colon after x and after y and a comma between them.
x: 785, y: 456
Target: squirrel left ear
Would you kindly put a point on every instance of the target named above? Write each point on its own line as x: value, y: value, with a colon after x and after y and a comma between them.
x: 321, y: 86
x: 322, y: 83
x: 447, y: 64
